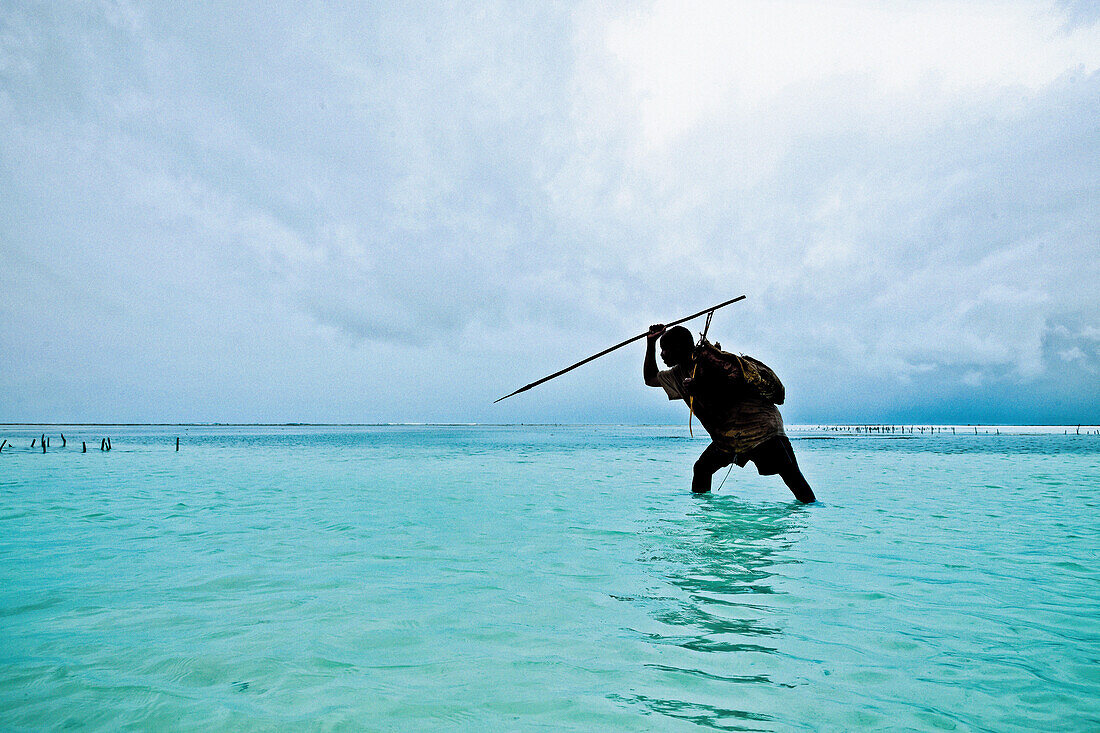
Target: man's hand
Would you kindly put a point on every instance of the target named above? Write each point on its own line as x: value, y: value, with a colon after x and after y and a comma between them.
x: 656, y: 331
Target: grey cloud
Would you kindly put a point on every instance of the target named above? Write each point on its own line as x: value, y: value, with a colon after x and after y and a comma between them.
x: 1079, y: 12
x: 356, y: 185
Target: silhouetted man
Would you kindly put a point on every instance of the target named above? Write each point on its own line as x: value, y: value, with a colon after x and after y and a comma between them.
x: 743, y: 425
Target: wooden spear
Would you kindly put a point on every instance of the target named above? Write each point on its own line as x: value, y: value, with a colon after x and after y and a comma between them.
x: 618, y: 346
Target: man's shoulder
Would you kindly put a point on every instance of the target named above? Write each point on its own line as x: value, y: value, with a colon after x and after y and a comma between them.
x: 676, y: 373
x: 672, y: 380
x: 674, y: 370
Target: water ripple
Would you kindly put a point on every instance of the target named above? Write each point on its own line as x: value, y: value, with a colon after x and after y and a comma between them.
x: 516, y: 578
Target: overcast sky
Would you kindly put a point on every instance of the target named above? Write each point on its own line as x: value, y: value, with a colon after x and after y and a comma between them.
x: 325, y: 212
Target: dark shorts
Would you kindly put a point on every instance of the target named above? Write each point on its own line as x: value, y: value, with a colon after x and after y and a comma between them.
x: 774, y: 455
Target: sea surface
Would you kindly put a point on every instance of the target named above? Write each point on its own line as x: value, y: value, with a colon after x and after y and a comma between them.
x: 398, y: 578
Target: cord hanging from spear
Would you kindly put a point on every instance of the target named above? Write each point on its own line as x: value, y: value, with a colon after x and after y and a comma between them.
x: 619, y: 346
x: 694, y: 369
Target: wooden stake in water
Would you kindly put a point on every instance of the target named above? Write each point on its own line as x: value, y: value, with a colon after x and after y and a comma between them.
x: 582, y: 362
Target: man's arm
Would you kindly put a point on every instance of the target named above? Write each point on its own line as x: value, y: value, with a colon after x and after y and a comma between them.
x: 649, y: 367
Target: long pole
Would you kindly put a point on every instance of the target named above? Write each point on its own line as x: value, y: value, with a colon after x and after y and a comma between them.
x: 618, y: 346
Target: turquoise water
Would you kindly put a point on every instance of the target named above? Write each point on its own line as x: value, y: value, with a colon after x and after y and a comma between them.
x: 517, y: 578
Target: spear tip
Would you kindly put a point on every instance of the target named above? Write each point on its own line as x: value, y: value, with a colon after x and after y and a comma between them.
x: 521, y: 389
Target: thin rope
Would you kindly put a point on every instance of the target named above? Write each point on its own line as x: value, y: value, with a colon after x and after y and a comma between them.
x: 691, y: 403
x: 724, y: 479
x: 691, y: 398
x: 703, y: 338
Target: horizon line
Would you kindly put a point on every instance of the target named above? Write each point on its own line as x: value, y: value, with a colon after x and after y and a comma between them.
x: 511, y: 424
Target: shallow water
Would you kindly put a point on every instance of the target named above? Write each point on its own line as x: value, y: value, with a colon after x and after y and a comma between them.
x: 395, y: 578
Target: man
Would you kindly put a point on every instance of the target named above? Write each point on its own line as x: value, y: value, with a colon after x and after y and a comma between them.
x: 743, y: 425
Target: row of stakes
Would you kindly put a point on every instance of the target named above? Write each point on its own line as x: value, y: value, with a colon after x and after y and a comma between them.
x: 932, y: 429
x: 104, y: 444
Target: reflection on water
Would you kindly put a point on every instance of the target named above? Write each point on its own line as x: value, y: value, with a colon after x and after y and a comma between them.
x: 715, y: 609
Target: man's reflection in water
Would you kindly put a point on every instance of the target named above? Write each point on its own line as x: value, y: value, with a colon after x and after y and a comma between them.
x: 717, y: 620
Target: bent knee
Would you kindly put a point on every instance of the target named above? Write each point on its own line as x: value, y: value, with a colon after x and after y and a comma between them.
x: 703, y: 468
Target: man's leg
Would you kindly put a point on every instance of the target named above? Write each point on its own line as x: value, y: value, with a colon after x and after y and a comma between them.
x: 712, y: 459
x: 797, y: 483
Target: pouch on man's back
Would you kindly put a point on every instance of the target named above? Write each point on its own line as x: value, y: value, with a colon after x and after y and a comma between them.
x: 754, y: 373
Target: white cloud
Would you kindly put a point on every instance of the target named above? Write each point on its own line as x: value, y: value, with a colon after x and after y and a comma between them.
x: 685, y: 60
x: 392, y: 211
x: 885, y: 176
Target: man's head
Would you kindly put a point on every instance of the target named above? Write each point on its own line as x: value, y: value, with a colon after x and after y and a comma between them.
x: 676, y: 346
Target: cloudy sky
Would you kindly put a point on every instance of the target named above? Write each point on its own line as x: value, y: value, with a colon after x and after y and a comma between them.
x: 305, y: 211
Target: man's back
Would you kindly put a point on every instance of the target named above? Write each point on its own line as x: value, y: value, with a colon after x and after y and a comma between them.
x: 735, y: 416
